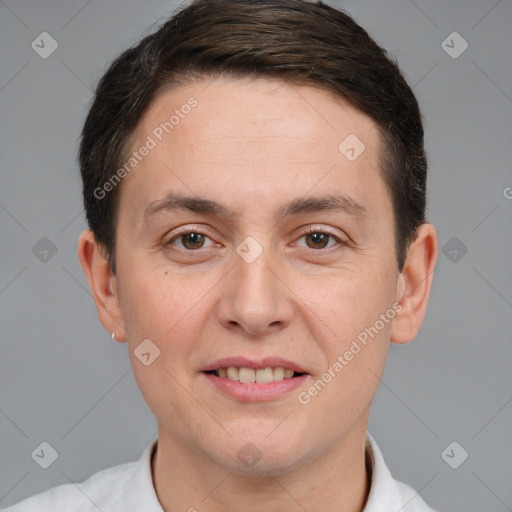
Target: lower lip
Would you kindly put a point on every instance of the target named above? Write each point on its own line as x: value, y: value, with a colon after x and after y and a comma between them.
x: 256, y: 392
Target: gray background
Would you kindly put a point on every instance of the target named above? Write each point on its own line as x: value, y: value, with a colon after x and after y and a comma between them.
x: 63, y: 380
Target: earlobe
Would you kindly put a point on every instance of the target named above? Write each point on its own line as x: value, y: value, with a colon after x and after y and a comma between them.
x: 102, y: 282
x: 414, y: 285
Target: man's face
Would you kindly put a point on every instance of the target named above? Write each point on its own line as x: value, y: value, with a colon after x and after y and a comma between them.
x: 299, y: 284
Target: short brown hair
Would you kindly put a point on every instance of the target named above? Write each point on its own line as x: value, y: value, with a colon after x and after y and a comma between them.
x: 292, y: 40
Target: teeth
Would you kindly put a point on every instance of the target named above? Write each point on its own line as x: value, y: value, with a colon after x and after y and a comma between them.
x: 247, y: 375
x: 232, y: 373
x: 250, y: 375
x: 265, y: 375
x: 278, y: 373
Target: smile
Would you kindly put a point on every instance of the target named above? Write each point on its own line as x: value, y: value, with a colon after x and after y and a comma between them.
x: 254, y: 375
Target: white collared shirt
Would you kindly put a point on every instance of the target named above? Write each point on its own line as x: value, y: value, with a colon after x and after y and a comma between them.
x: 129, y: 488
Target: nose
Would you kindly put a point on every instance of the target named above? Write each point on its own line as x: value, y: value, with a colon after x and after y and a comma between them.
x: 256, y: 300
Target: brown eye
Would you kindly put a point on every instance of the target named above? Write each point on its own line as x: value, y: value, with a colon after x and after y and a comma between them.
x: 188, y: 240
x: 317, y: 239
x: 192, y: 240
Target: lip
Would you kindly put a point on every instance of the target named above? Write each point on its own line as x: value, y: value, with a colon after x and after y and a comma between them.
x: 244, y: 362
x: 256, y: 392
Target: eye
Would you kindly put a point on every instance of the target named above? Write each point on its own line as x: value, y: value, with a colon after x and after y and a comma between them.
x: 193, y: 240
x: 319, y: 238
x: 190, y: 240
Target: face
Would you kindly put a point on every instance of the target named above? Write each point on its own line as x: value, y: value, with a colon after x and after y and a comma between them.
x: 282, y: 261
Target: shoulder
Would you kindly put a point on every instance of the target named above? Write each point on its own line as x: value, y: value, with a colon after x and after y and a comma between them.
x: 101, y: 490
x: 387, y: 493
x: 413, y: 502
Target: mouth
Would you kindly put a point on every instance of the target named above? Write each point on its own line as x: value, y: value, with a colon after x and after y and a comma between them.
x: 255, y: 375
x: 249, y: 380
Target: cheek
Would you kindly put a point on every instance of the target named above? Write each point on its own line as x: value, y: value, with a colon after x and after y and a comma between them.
x: 351, y: 303
x: 169, y: 314
x: 357, y: 338
x: 170, y: 311
x: 355, y: 360
x: 154, y: 302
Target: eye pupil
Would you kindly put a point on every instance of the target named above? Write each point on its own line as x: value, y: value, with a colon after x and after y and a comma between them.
x: 321, y: 238
x: 192, y: 240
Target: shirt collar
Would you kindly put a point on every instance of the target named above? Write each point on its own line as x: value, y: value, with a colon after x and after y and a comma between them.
x: 384, y: 493
x: 140, y: 493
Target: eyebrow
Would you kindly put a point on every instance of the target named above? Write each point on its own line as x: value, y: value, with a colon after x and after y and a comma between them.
x: 332, y: 202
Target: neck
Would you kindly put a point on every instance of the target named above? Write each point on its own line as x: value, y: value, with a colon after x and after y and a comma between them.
x: 337, y: 481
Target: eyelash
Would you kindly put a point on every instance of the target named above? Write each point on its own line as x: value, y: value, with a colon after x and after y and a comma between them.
x: 309, y: 231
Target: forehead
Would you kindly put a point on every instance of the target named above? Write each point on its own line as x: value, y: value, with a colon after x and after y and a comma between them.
x: 230, y: 107
x: 266, y: 138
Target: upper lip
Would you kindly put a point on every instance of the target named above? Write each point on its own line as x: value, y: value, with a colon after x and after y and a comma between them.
x: 244, y: 362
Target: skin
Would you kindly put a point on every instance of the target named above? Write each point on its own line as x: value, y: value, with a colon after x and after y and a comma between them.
x: 253, y: 146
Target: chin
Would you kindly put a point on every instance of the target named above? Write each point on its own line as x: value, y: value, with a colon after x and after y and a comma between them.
x: 262, y: 455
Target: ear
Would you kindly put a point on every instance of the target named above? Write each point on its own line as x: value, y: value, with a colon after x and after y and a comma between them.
x: 103, y: 284
x: 414, y: 284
